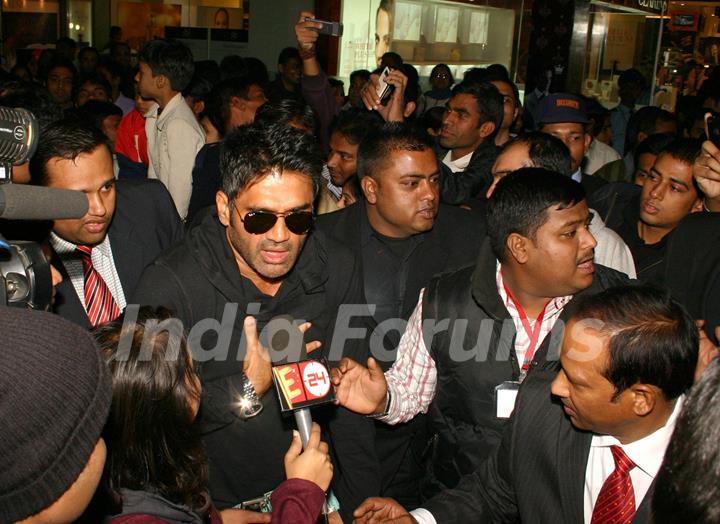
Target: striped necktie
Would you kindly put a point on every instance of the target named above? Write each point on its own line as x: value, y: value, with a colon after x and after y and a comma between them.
x: 99, y: 302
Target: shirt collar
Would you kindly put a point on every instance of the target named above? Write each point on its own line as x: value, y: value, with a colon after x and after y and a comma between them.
x: 577, y: 175
x: 367, y: 233
x: 163, y: 116
x: 648, y: 452
x: 459, y: 164
x: 554, y: 307
x: 65, y: 247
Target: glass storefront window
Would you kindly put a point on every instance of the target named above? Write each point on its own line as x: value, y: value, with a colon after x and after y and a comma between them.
x: 427, y: 32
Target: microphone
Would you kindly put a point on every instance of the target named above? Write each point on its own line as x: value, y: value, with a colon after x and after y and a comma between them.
x: 18, y: 134
x: 299, y: 386
x: 41, y: 203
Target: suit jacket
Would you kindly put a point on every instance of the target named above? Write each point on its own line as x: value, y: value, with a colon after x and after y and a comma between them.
x: 145, y: 223
x: 537, y: 474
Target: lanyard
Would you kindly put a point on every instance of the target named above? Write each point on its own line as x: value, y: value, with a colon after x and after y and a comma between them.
x: 533, y: 334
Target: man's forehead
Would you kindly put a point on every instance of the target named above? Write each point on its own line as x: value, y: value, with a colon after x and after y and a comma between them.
x: 464, y: 101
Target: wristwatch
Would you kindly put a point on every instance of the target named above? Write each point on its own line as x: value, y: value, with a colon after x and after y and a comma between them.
x: 249, y: 404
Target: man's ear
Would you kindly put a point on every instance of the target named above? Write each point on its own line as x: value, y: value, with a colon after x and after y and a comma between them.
x: 698, y: 206
x: 517, y: 246
x: 161, y: 81
x: 487, y: 129
x: 644, y: 398
x: 223, y: 208
x: 369, y: 188
x: 409, y: 109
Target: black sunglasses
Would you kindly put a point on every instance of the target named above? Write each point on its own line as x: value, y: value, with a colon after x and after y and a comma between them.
x: 258, y: 222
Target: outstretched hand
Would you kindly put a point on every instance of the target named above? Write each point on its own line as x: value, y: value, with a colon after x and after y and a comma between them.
x: 377, y: 509
x: 313, y: 463
x: 358, y: 388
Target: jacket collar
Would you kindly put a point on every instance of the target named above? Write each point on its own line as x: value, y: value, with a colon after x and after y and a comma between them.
x: 483, y: 283
x: 169, y: 109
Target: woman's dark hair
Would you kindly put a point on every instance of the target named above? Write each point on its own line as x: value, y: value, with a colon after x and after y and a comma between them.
x: 687, y: 487
x: 651, y: 338
x: 152, y: 441
x: 521, y: 201
x: 447, y: 69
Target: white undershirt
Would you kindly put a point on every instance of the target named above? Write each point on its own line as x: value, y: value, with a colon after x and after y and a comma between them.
x: 457, y: 165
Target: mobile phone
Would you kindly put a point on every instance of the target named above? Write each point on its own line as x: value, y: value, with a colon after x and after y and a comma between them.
x: 328, y: 28
x: 384, y: 89
x: 712, y: 128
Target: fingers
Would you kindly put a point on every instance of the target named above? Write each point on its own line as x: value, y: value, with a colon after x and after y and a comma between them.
x: 368, y: 505
x: 312, y: 346
x: 375, y: 370
x: 314, y: 437
x: 294, y: 450
x: 251, y: 335
x: 369, y: 92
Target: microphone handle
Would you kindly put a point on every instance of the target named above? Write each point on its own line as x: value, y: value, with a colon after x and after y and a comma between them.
x: 303, y: 419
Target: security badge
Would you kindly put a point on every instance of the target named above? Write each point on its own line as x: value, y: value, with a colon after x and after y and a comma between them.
x: 505, y: 396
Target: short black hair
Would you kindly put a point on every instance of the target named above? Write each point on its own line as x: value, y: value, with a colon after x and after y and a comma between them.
x: 392, y: 60
x: 87, y: 49
x: 432, y: 118
x: 286, y: 112
x: 488, y: 99
x: 257, y: 70
x: 686, y: 487
x: 355, y: 124
x: 654, y: 144
x: 113, y: 67
x: 95, y: 111
x: 61, y: 61
x: 632, y: 76
x: 376, y: 148
x: 217, y: 103
x: 251, y: 152
x: 287, y: 54
x: 644, y: 120
x: 652, y: 339
x: 545, y: 150
x: 199, y: 88
x: 360, y: 73
x: 521, y: 202
x: 67, y: 138
x: 35, y: 99
x: 93, y: 78
x: 169, y: 58
x: 685, y: 150
x: 412, y: 87
x: 597, y: 113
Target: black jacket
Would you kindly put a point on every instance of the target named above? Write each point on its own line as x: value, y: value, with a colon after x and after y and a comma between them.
x: 473, y: 356
x: 200, y: 281
x: 452, y: 243
x: 459, y: 188
x: 145, y: 224
x: 537, y: 473
x: 692, y: 267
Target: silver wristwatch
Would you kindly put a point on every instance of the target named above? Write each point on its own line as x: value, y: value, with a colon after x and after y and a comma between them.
x: 249, y: 404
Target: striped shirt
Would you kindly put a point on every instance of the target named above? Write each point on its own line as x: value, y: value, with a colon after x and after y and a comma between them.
x: 102, y: 260
x: 412, y: 380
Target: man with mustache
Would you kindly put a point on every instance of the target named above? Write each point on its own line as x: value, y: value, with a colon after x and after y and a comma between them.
x: 251, y: 265
x: 101, y: 255
x: 476, y: 333
x: 646, y: 217
x: 402, y: 236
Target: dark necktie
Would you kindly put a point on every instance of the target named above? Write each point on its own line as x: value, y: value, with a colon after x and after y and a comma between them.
x: 99, y: 302
x: 616, y: 502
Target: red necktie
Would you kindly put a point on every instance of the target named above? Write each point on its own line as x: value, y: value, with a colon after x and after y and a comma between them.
x: 99, y: 302
x: 616, y: 502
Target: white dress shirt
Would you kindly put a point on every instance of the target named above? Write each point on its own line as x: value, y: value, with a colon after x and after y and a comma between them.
x: 102, y: 260
x: 457, y: 165
x: 599, y: 154
x: 647, y: 454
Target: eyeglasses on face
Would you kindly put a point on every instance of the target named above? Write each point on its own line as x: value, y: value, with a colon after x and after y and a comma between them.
x: 259, y: 222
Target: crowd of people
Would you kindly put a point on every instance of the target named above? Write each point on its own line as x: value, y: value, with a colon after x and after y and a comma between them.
x: 520, y: 303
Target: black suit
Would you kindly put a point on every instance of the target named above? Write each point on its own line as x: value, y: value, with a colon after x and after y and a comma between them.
x: 537, y: 474
x: 145, y: 223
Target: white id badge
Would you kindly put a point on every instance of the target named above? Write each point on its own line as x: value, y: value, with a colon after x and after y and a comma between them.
x: 505, y: 395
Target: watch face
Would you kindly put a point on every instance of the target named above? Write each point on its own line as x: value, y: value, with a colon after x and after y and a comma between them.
x: 250, y: 408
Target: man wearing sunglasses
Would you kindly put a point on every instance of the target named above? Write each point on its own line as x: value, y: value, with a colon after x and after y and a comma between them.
x: 244, y: 270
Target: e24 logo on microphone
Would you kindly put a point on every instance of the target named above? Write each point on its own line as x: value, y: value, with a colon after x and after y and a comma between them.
x: 303, y: 384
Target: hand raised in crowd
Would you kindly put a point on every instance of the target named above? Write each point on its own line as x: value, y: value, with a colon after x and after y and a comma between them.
x: 394, y: 109
x: 706, y: 171
x: 243, y: 516
x: 377, y: 509
x: 311, y: 464
x: 358, y: 388
x: 306, y: 33
x: 708, y: 351
x: 257, y: 365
